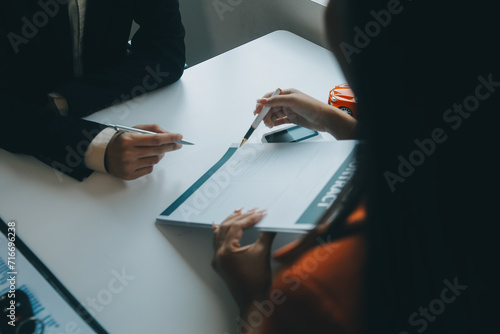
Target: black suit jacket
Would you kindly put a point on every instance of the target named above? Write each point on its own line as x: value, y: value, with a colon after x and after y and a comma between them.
x: 36, y: 59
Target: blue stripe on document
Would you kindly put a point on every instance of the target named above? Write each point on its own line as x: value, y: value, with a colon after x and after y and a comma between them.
x: 199, y: 183
x: 329, y: 193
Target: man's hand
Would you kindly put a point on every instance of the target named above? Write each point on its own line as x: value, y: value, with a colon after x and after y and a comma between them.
x: 246, y: 270
x: 132, y: 155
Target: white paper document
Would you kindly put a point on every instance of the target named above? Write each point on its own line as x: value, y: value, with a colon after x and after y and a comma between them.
x: 295, y: 182
x: 54, y: 310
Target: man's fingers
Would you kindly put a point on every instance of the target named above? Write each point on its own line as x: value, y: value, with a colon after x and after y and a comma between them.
x: 151, y: 127
x: 143, y: 171
x: 155, y: 140
x: 148, y: 151
x: 130, y: 175
x: 132, y: 155
x: 149, y: 161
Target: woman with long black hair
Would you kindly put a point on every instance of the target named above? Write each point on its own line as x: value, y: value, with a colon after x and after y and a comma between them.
x: 406, y: 247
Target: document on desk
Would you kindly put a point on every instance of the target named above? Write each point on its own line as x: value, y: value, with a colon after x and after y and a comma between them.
x: 295, y: 182
x: 33, y: 300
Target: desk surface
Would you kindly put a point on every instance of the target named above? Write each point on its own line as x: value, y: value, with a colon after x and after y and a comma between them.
x: 86, y: 232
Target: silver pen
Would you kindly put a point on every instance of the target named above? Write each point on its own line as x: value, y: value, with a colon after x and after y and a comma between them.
x: 258, y: 119
x: 122, y: 128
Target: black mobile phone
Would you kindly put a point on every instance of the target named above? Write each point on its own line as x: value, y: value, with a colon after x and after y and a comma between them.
x: 290, y: 135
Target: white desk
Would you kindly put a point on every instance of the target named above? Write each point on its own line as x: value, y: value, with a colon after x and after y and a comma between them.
x: 85, y: 231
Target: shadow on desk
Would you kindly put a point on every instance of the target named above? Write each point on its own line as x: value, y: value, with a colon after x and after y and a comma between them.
x: 195, y: 253
x: 35, y: 173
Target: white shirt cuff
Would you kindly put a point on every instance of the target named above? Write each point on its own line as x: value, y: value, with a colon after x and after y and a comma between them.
x: 96, y: 153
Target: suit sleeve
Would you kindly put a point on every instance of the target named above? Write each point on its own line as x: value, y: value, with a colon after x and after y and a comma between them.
x: 156, y: 60
x: 60, y: 142
x: 30, y: 126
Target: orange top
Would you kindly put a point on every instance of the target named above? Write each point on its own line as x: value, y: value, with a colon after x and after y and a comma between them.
x: 318, y: 293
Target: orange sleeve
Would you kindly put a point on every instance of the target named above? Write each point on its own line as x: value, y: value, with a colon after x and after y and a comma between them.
x: 320, y: 293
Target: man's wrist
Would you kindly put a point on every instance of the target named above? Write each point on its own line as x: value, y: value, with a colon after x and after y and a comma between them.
x: 95, y: 157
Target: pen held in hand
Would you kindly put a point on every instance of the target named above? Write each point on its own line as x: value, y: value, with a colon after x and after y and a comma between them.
x: 258, y: 119
x: 122, y: 128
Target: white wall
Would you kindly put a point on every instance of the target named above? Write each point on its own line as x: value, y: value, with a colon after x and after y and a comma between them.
x: 215, y: 26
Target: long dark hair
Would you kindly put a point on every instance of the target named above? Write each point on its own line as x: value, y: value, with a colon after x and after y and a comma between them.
x: 426, y: 85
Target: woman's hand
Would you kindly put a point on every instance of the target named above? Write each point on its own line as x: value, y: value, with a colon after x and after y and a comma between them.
x: 293, y: 106
x: 246, y: 270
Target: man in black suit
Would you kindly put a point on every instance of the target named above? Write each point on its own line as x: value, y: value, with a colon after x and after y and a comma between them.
x: 61, y: 60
